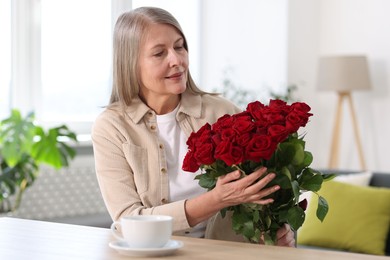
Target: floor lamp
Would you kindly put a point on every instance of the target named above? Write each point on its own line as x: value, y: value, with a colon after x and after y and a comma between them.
x: 344, y: 74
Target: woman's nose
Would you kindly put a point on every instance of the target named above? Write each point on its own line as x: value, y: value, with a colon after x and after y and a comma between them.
x: 174, y: 58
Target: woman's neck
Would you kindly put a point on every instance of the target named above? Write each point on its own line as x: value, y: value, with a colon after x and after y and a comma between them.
x: 163, y: 105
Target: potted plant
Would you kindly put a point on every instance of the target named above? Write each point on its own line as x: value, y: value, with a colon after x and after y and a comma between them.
x: 24, y: 146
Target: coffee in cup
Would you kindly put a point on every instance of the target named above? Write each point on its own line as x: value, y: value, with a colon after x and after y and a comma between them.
x: 143, y: 231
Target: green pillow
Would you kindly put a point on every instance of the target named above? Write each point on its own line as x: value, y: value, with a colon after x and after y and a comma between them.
x: 358, y: 219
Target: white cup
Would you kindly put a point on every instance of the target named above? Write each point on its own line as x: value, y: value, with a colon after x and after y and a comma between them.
x: 143, y: 231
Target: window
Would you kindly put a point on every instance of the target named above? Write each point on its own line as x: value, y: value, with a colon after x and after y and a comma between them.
x: 63, y: 57
x: 5, y: 54
x: 75, y: 59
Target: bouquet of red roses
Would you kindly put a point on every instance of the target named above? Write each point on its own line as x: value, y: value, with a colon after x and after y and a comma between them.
x: 260, y: 136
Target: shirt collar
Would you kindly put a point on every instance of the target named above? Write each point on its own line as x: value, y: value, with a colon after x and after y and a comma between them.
x: 190, y: 104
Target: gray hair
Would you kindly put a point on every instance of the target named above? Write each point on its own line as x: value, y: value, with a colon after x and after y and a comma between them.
x: 129, y: 31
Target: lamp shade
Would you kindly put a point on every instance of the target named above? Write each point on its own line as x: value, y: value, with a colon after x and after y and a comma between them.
x: 343, y: 73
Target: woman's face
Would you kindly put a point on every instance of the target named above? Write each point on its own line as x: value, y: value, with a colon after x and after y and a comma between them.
x: 163, y: 64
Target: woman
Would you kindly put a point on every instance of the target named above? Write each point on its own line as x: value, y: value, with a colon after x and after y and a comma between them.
x: 140, y: 139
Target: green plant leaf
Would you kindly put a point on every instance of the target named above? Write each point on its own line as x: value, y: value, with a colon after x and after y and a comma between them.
x: 296, y: 190
x: 16, y: 136
x: 286, y: 171
x: 285, y: 153
x: 310, y: 181
x: 308, y: 159
x: 328, y: 177
x: 50, y: 150
x: 282, y: 180
x: 23, y: 147
x: 295, y: 217
x: 206, y: 181
x: 299, y: 154
x: 322, y: 208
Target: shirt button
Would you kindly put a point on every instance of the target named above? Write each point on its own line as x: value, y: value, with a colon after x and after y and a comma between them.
x: 161, y: 146
x: 153, y: 127
x: 150, y: 114
x: 163, y: 200
x: 163, y: 170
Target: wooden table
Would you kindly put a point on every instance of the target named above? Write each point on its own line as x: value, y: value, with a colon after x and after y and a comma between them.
x: 29, y: 239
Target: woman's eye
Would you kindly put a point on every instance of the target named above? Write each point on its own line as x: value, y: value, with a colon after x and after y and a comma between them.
x: 159, y: 54
x: 179, y: 48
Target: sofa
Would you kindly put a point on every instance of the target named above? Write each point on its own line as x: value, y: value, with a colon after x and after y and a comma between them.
x: 315, y: 234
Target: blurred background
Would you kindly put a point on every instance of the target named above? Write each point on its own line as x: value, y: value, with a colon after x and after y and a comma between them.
x: 56, y: 61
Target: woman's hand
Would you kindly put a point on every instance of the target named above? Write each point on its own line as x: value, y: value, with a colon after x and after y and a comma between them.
x: 232, y: 190
x: 285, y: 236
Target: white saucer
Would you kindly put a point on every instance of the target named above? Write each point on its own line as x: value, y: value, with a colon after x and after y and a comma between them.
x: 123, y: 248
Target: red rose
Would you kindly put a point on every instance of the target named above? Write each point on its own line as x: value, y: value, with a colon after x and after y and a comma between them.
x: 225, y: 121
x: 303, y: 204
x: 229, y: 153
x: 261, y: 127
x: 189, y: 163
x: 279, y: 105
x: 273, y: 103
x: 243, y: 123
x: 216, y: 139
x: 296, y: 120
x: 260, y: 147
x: 228, y: 134
x: 243, y: 139
x: 203, y: 132
x: 255, y: 109
x: 278, y: 133
x: 300, y: 107
x: 299, y: 115
x: 274, y: 117
x: 205, y: 153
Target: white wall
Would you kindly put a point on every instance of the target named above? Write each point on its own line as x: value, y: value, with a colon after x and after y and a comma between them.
x: 248, y: 36
x: 343, y: 27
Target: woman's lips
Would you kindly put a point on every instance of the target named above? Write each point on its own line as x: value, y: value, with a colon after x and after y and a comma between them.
x: 176, y: 75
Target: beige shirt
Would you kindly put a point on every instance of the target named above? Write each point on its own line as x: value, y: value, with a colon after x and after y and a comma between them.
x: 130, y: 161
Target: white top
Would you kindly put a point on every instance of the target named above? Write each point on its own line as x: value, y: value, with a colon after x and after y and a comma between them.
x: 181, y: 183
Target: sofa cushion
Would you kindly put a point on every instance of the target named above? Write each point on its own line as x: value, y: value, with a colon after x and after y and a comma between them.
x: 358, y: 219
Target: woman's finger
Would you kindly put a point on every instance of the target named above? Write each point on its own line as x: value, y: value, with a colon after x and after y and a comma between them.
x: 260, y: 184
x: 232, y: 176
x: 285, y: 236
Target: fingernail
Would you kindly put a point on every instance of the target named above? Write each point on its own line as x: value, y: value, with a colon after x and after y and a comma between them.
x: 276, y: 187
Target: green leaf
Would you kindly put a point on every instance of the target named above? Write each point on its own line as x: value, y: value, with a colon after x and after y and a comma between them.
x: 296, y: 190
x: 299, y: 154
x: 308, y: 159
x: 296, y: 217
x: 285, y: 153
x: 256, y: 216
x: 310, y: 181
x: 322, y: 208
x: 286, y: 172
x: 24, y: 146
x: 243, y: 223
x: 206, y: 181
x: 268, y: 239
x: 328, y: 177
x: 16, y: 136
x: 282, y: 180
